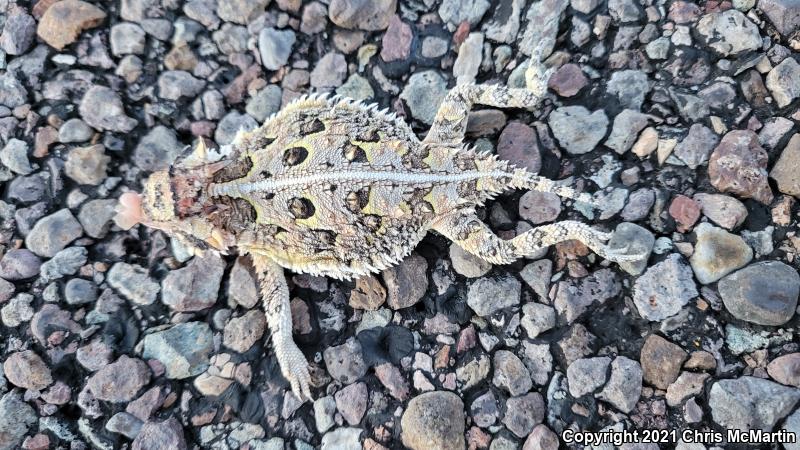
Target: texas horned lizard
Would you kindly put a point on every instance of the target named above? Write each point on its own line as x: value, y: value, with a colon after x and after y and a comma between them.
x: 331, y: 187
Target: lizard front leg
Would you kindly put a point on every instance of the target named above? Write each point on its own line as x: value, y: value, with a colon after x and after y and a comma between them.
x: 275, y: 296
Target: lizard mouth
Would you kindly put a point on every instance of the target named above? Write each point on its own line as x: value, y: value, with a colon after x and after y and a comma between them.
x: 129, y: 210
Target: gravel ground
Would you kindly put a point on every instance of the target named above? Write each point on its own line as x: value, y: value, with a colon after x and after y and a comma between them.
x: 684, y: 116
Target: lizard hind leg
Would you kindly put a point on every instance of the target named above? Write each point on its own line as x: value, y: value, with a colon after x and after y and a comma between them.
x: 275, y: 296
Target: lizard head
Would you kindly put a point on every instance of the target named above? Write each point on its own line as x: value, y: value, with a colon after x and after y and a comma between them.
x: 175, y: 202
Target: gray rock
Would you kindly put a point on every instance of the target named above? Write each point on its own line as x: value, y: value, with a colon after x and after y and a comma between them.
x: 133, y: 283
x: 329, y: 72
x: 423, y: 93
x: 324, y: 409
x: 19, y: 264
x: 195, y: 286
x: 484, y: 410
x: 453, y: 12
x: 510, y: 374
x: 28, y: 189
x: 231, y: 124
x: 749, y: 403
x: 419, y: 432
x: 504, y: 24
x: 344, y: 438
x: 357, y: 88
x: 586, y: 375
x: 576, y: 129
x: 524, y: 413
x: 160, y: 435
x: 624, y: 386
x: 468, y: 62
x: 467, y: 264
x: 487, y: 295
x: 783, y: 82
x: 367, y: 15
x: 18, y: 31
x: 174, y: 84
x: 574, y: 297
x: 241, y: 333
x: 637, y: 239
x: 231, y: 39
x: 784, y: 172
x: 725, y: 211
x: 729, y: 32
x: 242, y: 284
x: 78, y: 291
x: 275, y: 47
x: 119, y: 381
x: 66, y: 262
x: 695, y: 148
x: 626, y: 128
x: 624, y: 11
x: 719, y: 95
x: 127, y: 39
x: 764, y: 293
x: 17, y: 311
x: 16, y: 417
x: 74, y: 130
x: 539, y: 207
x: 15, y: 156
x: 792, y: 425
x: 102, y: 109
x: 157, y: 149
x: 12, y: 92
x: 658, y: 49
x: 264, y: 103
x: 784, y: 14
x: 537, y: 318
x: 240, y: 11
x: 183, y: 349
x: 315, y: 18
x: 125, y: 424
x: 664, y: 289
x: 87, y: 165
x: 717, y: 253
x: 96, y: 216
x: 345, y: 362
x: 537, y: 275
x: 630, y: 87
x: 52, y: 233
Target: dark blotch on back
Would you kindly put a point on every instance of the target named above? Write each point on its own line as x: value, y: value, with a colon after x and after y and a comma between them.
x: 301, y: 208
x: 233, y: 171
x: 294, y: 156
x: 354, y: 153
x: 314, y: 126
x: 357, y: 200
x: 235, y: 215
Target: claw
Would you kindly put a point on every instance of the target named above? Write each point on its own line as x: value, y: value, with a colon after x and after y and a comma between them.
x: 294, y: 368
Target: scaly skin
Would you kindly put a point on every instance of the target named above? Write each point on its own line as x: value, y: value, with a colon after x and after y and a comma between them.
x: 335, y: 188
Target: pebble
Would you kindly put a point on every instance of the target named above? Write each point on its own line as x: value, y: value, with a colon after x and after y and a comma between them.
x: 357, y: 88
x: 127, y: 39
x: 195, y: 286
x: 664, y: 289
x: 630, y: 87
x: 102, y: 109
x: 586, y: 375
x: 541, y: 438
x: 523, y: 413
x: 406, y: 282
x: 687, y: 385
x: 94, y: 356
x: 126, y: 424
x: 368, y: 294
x: 19, y: 264
x: 242, y: 332
x: 74, y: 130
x: 467, y: 264
x: 315, y: 18
x: 764, y: 293
x: 518, y: 144
x: 568, y: 80
x: 18, y: 32
x: 275, y: 47
x: 717, y: 253
x: 264, y: 103
x: 577, y: 130
x: 330, y: 71
x: 484, y: 410
x: 624, y: 386
x: 626, y: 128
x: 160, y: 435
x: 157, y: 149
x: 240, y: 11
x: 367, y: 15
x: 119, y: 381
x: 661, y: 361
x: 87, y: 165
x: 539, y: 207
x: 27, y: 370
x: 785, y: 369
x: 423, y: 93
x: 725, y: 211
x: 78, y: 291
x: 487, y: 296
x: 784, y: 14
x: 345, y: 363
x: 695, y: 148
x: 174, y: 84
x: 784, y: 172
x: 324, y: 409
x: 574, y: 297
x: 392, y: 379
x: 749, y: 403
x: 344, y: 438
x: 637, y: 239
x: 18, y: 310
x: 15, y: 156
x: 685, y: 211
x: 510, y: 374
x: 95, y: 216
x: 396, y: 42
x: 63, y: 22
x: 351, y: 402
x: 183, y: 349
x: 446, y: 432
x: 133, y: 282
x: 231, y: 124
x: 16, y: 418
x: 12, y: 92
x: 783, y: 81
x: 537, y: 318
x: 66, y: 262
x: 52, y: 233
x: 729, y: 33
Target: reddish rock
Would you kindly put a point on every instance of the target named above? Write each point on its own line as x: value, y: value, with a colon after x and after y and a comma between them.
x: 119, y: 381
x: 685, y: 211
x: 37, y: 442
x: 27, y: 370
x: 786, y: 369
x: 391, y: 378
x: 661, y: 361
x: 396, y: 41
x: 739, y: 165
x: 568, y: 80
x: 684, y: 12
x: 518, y: 145
x: 63, y: 22
x: 160, y: 436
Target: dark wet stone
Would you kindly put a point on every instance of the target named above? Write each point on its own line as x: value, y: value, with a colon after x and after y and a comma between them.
x: 764, y: 293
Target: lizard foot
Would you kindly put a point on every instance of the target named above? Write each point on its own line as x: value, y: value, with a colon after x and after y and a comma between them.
x: 294, y: 368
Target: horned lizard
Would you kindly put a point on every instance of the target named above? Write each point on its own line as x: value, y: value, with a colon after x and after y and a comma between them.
x: 331, y: 187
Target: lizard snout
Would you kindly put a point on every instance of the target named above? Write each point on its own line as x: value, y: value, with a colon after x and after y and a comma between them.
x: 129, y: 210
